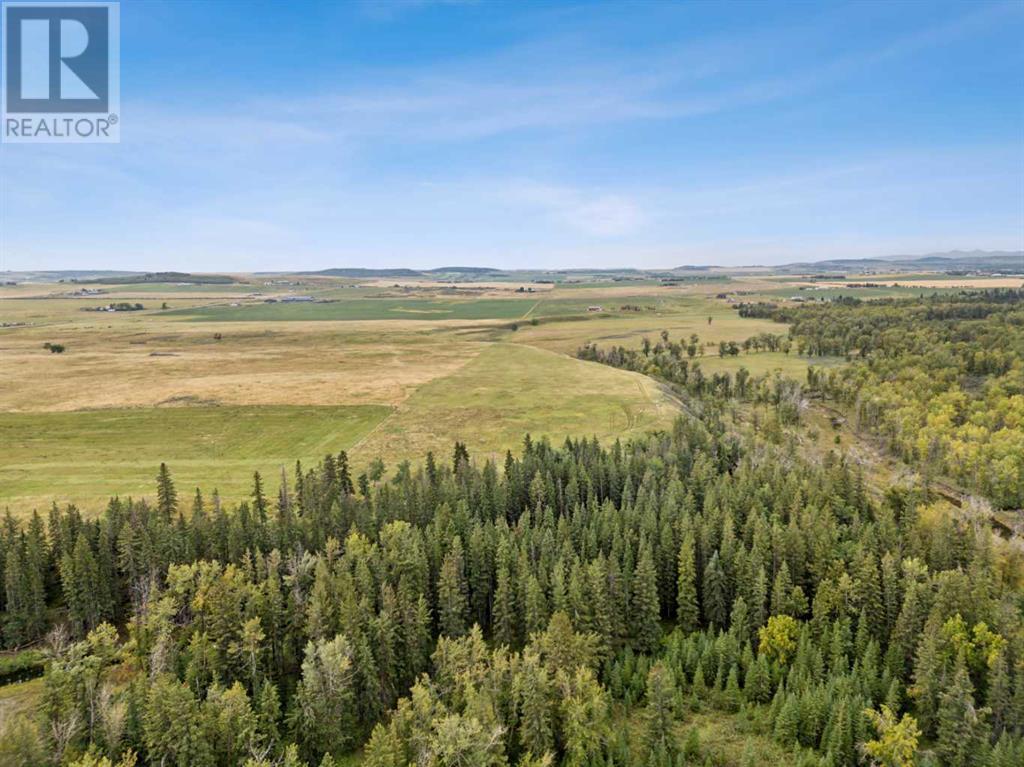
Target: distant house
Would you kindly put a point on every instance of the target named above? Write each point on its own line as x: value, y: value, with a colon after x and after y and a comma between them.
x: 297, y: 299
x: 594, y: 309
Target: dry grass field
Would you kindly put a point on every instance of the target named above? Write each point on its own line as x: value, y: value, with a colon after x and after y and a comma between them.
x: 160, y: 362
x: 220, y: 383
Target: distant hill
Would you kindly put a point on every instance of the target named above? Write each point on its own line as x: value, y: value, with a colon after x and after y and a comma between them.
x: 464, y: 270
x: 954, y: 260
x: 61, y: 275
x: 162, y: 277
x: 365, y: 273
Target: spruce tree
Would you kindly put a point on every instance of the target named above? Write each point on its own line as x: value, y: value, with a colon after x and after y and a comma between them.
x: 659, y: 714
x: 962, y: 730
x: 259, y: 499
x: 452, y: 595
x: 504, y: 620
x: 645, y: 613
x: 687, y: 608
x: 716, y: 608
x: 166, y: 495
x: 534, y: 695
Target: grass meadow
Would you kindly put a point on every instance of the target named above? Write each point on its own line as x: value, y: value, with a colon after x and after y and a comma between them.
x: 84, y: 457
x: 509, y: 390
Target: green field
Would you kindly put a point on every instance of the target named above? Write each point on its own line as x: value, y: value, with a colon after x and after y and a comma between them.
x: 85, y: 457
x: 508, y: 391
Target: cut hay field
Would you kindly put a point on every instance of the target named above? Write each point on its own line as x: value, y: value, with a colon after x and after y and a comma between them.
x: 85, y: 457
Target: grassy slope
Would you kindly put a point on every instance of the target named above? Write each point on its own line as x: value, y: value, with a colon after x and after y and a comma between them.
x: 510, y: 390
x: 87, y: 456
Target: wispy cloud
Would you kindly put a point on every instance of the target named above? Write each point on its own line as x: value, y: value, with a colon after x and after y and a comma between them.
x: 538, y: 85
x: 593, y: 213
x: 561, y: 147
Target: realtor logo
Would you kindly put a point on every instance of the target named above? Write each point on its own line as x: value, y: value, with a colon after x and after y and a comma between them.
x: 61, y: 72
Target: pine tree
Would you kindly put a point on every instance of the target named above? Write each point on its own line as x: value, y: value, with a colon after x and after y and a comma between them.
x: 79, y: 576
x: 716, y: 608
x: 324, y: 713
x: 929, y: 675
x: 739, y: 620
x: 687, y: 608
x: 757, y: 684
x: 173, y: 726
x: 731, y: 697
x: 504, y: 620
x: 782, y: 588
x: 787, y: 723
x: 259, y: 499
x: 536, y: 607
x: 17, y: 612
x: 345, y: 475
x: 962, y: 728
x: 659, y: 714
x: 1000, y: 694
x: 645, y: 613
x: 534, y: 695
x: 452, y: 596
x: 841, y: 737
x: 166, y: 495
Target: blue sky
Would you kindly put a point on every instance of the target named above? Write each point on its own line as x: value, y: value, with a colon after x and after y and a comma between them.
x: 264, y: 136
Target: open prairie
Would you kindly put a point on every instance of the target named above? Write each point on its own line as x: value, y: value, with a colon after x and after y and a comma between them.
x: 220, y: 381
